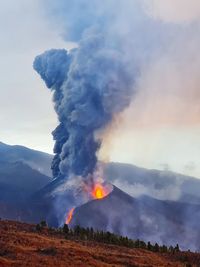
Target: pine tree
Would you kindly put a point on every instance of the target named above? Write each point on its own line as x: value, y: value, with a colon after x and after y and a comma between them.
x: 149, y: 246
x: 177, y: 248
x: 65, y: 229
x: 156, y: 247
x: 43, y: 224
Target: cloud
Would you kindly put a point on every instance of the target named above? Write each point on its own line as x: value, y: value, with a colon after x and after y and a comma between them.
x: 176, y: 11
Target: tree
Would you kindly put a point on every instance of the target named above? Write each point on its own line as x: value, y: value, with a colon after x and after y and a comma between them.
x: 177, y: 248
x: 143, y: 244
x: 66, y: 229
x: 171, y: 249
x: 156, y: 247
x: 164, y: 249
x: 149, y: 246
x: 137, y: 243
x: 38, y: 227
x: 77, y: 230
x: 43, y: 224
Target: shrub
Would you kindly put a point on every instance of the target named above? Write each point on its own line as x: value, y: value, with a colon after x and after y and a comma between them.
x: 48, y: 251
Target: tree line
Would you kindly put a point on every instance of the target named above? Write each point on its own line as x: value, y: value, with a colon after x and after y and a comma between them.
x: 107, y: 237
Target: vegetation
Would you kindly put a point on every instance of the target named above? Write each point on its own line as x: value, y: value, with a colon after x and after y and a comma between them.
x: 48, y: 251
x: 41, y: 226
x: 80, y: 233
x: 22, y: 245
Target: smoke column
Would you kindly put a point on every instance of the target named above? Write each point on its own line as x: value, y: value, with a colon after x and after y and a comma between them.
x: 91, y: 84
x: 96, y: 81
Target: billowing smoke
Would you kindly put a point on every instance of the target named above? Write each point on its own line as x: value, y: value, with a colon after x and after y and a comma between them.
x: 91, y: 84
x: 95, y: 81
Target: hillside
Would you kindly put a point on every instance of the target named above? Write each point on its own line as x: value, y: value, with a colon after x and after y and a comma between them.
x: 21, y: 245
x: 37, y: 160
x: 21, y: 177
x: 144, y: 218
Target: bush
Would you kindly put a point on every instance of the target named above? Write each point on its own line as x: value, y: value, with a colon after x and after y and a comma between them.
x: 48, y: 251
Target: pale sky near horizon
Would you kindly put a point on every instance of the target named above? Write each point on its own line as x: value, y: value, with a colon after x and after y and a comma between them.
x: 27, y: 115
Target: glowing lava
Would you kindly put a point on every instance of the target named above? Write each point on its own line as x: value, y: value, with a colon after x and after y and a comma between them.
x: 98, y: 191
x: 69, y: 216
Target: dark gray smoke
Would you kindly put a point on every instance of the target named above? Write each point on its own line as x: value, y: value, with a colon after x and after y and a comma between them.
x: 94, y: 82
x: 91, y: 84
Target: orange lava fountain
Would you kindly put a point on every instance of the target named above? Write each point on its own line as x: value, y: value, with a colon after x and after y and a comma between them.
x: 98, y: 192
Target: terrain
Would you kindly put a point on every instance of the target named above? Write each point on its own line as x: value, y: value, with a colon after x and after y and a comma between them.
x: 157, y: 206
x: 21, y: 245
x: 37, y: 160
x: 148, y: 219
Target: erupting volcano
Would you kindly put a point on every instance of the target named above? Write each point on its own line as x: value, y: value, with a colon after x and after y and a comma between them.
x: 91, y: 84
x: 98, y: 191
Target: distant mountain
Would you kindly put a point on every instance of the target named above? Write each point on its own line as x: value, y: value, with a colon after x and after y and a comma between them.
x: 136, y: 181
x: 165, y: 222
x: 37, y: 160
x: 21, y: 178
x: 21, y: 175
x: 164, y: 185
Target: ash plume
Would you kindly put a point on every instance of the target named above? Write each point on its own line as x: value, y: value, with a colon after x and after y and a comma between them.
x: 117, y: 42
x: 91, y: 84
x: 96, y: 81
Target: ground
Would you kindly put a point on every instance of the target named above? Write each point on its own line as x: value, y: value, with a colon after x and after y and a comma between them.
x: 21, y: 245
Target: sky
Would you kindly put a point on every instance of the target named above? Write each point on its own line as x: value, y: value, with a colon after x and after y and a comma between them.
x: 27, y: 114
x: 160, y: 130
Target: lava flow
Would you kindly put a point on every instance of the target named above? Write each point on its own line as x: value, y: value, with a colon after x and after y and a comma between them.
x: 69, y: 216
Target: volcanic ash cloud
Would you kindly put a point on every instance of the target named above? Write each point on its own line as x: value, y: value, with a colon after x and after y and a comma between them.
x: 91, y: 84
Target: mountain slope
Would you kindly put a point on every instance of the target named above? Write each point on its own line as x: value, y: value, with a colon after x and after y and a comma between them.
x: 20, y: 176
x: 35, y: 159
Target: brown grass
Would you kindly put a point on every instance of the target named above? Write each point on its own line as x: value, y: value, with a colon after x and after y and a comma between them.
x: 21, y: 245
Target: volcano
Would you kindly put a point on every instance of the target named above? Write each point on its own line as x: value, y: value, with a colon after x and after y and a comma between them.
x: 145, y: 218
